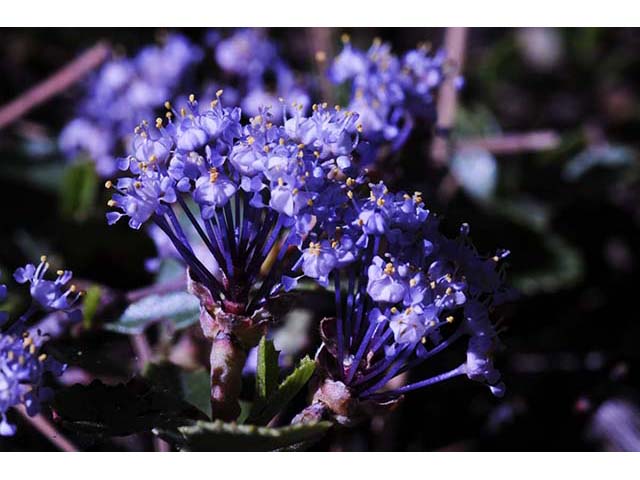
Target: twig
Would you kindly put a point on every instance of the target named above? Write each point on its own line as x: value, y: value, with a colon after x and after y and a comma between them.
x: 454, y: 46
x: 513, y: 142
x: 48, y: 430
x: 56, y: 83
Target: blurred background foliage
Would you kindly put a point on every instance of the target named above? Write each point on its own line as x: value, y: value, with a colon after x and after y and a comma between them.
x: 567, y: 207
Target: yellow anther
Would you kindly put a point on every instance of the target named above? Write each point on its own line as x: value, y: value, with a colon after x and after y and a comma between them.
x: 108, y: 184
x: 314, y: 107
x: 138, y: 184
x: 280, y: 182
x: 295, y: 191
x: 42, y: 357
x: 394, y: 310
x: 300, y: 154
x: 73, y: 289
x: 167, y: 105
x: 183, y: 112
x: 32, y: 349
x: 213, y: 174
x: 380, y: 202
x: 250, y: 140
x: 281, y: 141
x: 337, y: 108
x: 377, y: 41
x: 27, y: 341
x: 389, y: 269
x: 168, y: 115
x: 334, y: 244
x: 266, y: 149
x: 158, y: 122
x: 192, y: 98
x: 345, y: 38
x: 408, y: 311
x: 360, y: 221
x: 112, y: 203
x: 321, y: 56
x: 300, y: 146
x: 359, y: 128
x: 350, y: 182
x: 413, y: 282
x: 449, y: 291
x: 10, y: 355
x: 60, y: 272
x: 219, y: 93
x: 153, y: 159
x: 350, y: 195
x: 432, y: 285
x: 496, y: 258
x: 423, y: 340
x: 213, y: 103
x: 450, y: 319
x: 43, y: 258
x: 310, y: 202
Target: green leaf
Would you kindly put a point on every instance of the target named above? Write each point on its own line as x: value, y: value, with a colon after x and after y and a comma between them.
x: 267, y: 370
x: 220, y: 436
x: 90, y: 302
x: 122, y: 409
x: 78, y: 190
x: 192, y: 387
x: 264, y: 411
x: 182, y: 308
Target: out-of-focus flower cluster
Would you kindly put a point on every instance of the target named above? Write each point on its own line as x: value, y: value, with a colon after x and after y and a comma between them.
x: 124, y: 91
x: 390, y: 93
x: 23, y: 362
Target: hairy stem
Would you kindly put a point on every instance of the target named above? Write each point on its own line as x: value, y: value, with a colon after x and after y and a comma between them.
x: 227, y: 361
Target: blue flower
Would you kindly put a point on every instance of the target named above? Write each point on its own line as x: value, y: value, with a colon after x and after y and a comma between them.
x: 50, y: 295
x: 23, y: 363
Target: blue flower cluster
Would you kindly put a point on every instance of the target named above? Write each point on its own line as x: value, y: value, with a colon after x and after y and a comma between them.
x: 280, y: 197
x: 389, y: 93
x: 22, y: 361
x: 258, y: 189
x: 124, y: 91
x: 404, y: 292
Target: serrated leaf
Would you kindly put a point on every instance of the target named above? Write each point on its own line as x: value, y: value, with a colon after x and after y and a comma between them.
x: 181, y: 308
x: 221, y: 436
x: 264, y: 411
x: 90, y: 304
x: 192, y: 387
x: 120, y: 410
x: 78, y: 190
x: 267, y: 370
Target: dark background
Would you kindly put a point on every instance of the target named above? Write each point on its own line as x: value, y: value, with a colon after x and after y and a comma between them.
x: 571, y: 340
